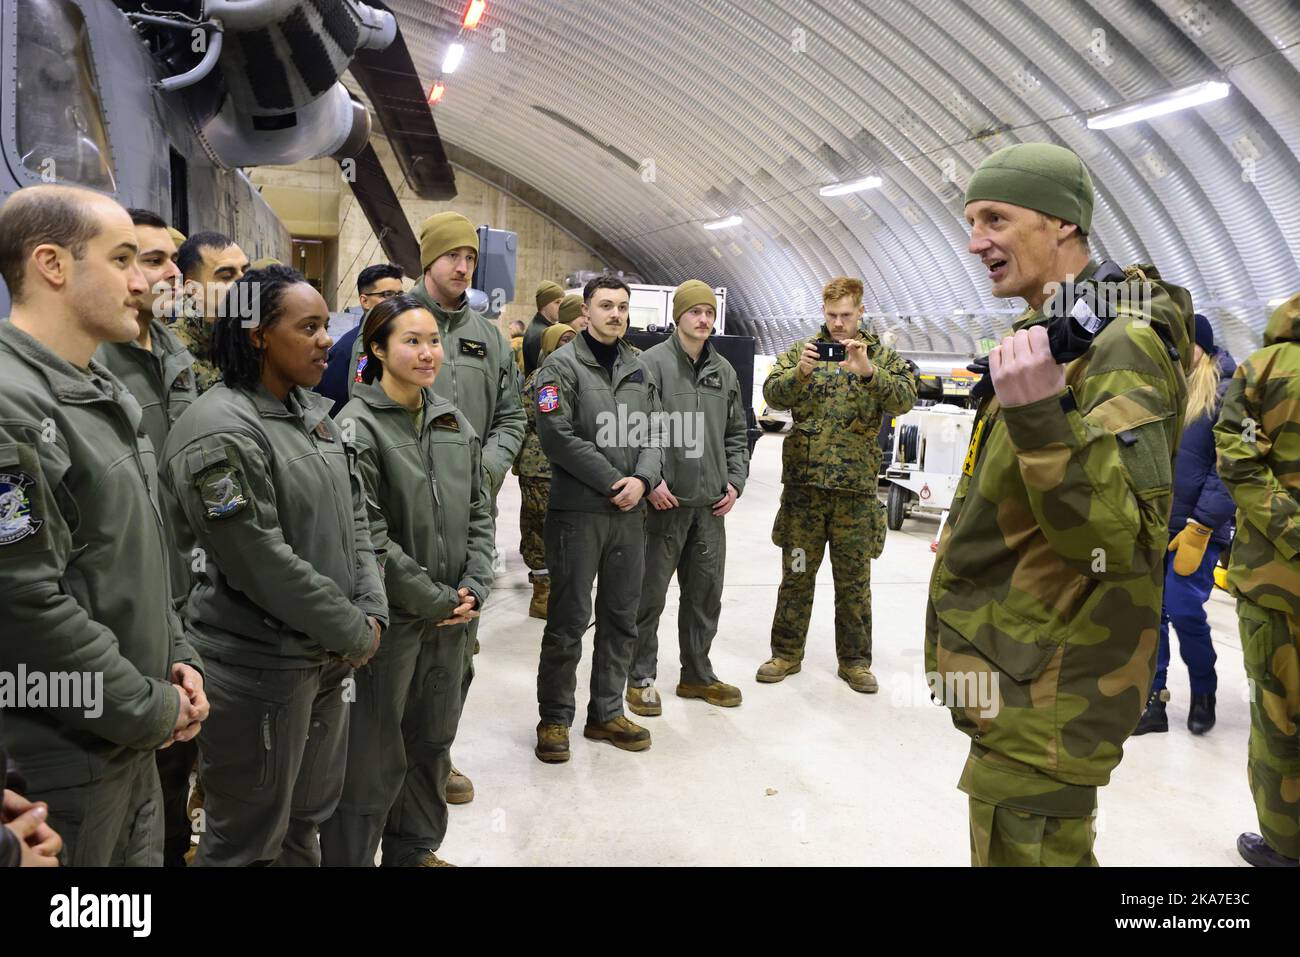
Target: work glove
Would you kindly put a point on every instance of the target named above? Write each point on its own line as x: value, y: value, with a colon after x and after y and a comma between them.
x: 1190, y: 544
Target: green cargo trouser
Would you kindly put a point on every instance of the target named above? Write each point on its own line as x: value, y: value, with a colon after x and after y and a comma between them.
x: 1005, y: 837
x: 113, y: 821
x: 607, y: 548
x: 692, y: 542
x: 272, y: 756
x: 417, y: 822
x: 377, y: 759
x: 1270, y: 644
x: 534, y: 493
x: 853, y: 524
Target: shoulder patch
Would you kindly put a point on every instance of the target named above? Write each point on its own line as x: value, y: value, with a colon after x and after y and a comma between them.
x: 16, y: 519
x: 548, y: 398
x: 361, y: 364
x: 471, y: 347
x: 222, y: 491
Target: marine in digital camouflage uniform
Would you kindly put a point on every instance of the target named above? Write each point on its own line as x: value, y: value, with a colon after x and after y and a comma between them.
x: 1044, y: 607
x: 829, y: 464
x: 1258, y: 442
x: 195, y: 335
x: 534, y: 473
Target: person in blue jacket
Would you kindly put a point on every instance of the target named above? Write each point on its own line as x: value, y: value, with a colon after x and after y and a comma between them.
x: 1200, y: 527
x: 375, y: 284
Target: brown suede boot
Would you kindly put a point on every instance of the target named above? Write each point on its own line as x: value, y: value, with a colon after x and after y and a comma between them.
x: 620, y: 732
x: 715, y: 693
x: 644, y: 702
x: 775, y: 669
x: 460, y: 789
x: 552, y: 743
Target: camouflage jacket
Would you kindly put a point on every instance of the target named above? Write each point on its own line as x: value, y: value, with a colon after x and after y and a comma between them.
x: 1048, y: 581
x: 1258, y: 442
x: 531, y: 461
x: 837, y: 415
x: 195, y: 334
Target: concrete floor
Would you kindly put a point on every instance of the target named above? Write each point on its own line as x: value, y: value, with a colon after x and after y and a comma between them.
x: 806, y: 772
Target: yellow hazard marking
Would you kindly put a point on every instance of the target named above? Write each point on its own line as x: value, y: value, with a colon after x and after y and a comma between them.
x: 973, y: 450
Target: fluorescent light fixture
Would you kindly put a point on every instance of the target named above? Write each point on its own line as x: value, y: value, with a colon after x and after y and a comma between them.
x: 473, y: 13
x: 1159, y: 105
x: 453, y: 57
x: 857, y: 185
x: 724, y: 223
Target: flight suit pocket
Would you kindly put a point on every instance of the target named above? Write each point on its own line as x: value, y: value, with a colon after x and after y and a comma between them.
x: 438, y: 689
x: 1144, y: 452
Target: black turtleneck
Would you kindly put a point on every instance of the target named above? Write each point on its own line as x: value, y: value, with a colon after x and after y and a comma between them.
x: 605, y: 354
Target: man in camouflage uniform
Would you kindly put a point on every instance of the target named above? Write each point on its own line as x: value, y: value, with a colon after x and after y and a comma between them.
x: 210, y: 263
x: 1258, y: 440
x: 1044, y: 610
x: 534, y: 473
x: 828, y: 464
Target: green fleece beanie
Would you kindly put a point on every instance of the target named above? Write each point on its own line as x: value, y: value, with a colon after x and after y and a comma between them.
x: 570, y: 308
x: 1040, y: 176
x: 547, y: 293
x: 690, y: 294
x: 443, y: 232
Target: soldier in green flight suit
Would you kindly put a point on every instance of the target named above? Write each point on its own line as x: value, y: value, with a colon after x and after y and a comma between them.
x: 266, y: 507
x: 706, y: 462
x: 431, y: 521
x: 597, y: 418
x: 1043, y: 618
x: 157, y: 370
x: 478, y: 376
x: 83, y: 551
x: 1258, y: 441
x: 534, y: 473
x: 829, y: 464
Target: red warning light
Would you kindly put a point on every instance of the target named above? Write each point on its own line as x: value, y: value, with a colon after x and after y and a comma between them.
x: 436, y: 91
x: 474, y: 13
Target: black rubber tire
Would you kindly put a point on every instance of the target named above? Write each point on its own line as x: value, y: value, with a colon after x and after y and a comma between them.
x: 896, y: 506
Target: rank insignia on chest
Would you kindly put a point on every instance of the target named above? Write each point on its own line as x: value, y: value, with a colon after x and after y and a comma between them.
x: 548, y: 399
x: 16, y: 519
x: 468, y: 347
x: 447, y: 420
x: 222, y: 491
x: 183, y: 382
x: 322, y: 431
x: 361, y: 365
x: 637, y: 376
x: 973, y: 450
x: 712, y: 380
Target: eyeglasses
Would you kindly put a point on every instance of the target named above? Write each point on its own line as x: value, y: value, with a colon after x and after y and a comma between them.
x: 383, y: 294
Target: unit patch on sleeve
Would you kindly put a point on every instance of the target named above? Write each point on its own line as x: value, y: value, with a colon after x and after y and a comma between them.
x: 222, y: 491
x: 548, y: 398
x: 16, y: 519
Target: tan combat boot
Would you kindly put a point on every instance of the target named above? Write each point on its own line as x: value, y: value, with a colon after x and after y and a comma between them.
x: 541, y: 597
x: 460, y: 789
x: 644, y: 702
x: 620, y: 732
x: 775, y: 669
x: 715, y: 693
x: 552, y: 743
x: 859, y: 678
x: 433, y: 860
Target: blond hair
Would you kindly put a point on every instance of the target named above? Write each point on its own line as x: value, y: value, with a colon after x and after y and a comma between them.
x: 842, y: 286
x: 1203, y: 387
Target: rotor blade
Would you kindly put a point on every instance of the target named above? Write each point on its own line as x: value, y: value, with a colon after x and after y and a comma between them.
x: 393, y: 87
x: 378, y: 200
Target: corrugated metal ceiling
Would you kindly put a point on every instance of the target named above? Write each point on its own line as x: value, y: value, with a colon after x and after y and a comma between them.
x: 647, y: 119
